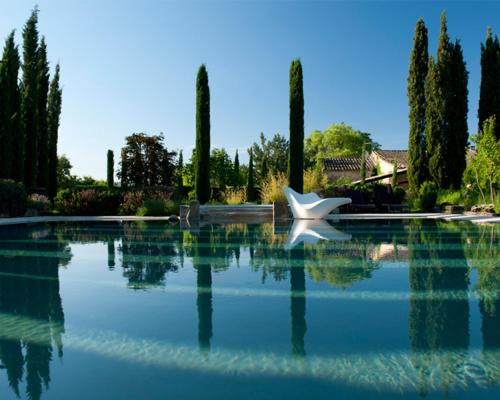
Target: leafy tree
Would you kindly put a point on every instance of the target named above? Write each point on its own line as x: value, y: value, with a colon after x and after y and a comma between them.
x: 419, y: 60
x: 484, y: 169
x: 221, y: 169
x: 489, y: 94
x: 64, y: 177
x: 29, y: 98
x: 270, y: 156
x: 202, y: 166
x: 54, y: 104
x: 338, y: 140
x: 42, y: 91
x: 296, y: 152
x: 11, y: 139
x: 251, y: 192
x: 111, y: 169
x: 146, y: 161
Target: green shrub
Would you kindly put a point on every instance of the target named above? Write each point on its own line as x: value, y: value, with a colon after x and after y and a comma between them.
x: 427, y: 196
x: 399, y: 194
x: 152, y: 208
x: 13, y: 199
x: 39, y: 202
x: 454, y: 197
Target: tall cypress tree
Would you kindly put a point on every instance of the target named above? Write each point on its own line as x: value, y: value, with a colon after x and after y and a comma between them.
x: 110, y: 169
x: 419, y: 61
x: 54, y: 104
x: 363, y: 164
x: 251, y: 194
x: 11, y: 140
x: 489, y: 92
x: 202, y: 166
x: 457, y: 108
x: 29, y: 98
x: 434, y: 125
x: 180, y: 170
x: 236, y: 170
x: 42, y: 93
x: 296, y: 152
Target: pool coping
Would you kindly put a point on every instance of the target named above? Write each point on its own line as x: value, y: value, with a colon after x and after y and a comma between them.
x: 480, y: 219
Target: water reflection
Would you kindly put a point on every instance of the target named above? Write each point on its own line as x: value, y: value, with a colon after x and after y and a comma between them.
x: 29, y: 288
x: 440, y: 257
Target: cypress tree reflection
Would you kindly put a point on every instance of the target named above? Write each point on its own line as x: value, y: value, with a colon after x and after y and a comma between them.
x: 29, y: 288
x: 202, y: 252
x: 437, y: 325
x: 111, y: 255
x: 298, y: 300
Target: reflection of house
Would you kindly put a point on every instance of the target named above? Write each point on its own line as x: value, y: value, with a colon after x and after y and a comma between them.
x: 379, y: 166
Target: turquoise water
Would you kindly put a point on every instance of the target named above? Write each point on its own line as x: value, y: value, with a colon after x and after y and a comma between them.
x: 136, y: 310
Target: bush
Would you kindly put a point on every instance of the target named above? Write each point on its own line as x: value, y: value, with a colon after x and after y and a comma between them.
x: 271, y: 189
x: 398, y: 194
x: 454, y: 197
x: 39, y: 202
x: 131, y: 202
x: 235, y: 196
x: 152, y: 208
x: 427, y: 196
x: 314, y: 180
x: 87, y: 202
x: 12, y: 198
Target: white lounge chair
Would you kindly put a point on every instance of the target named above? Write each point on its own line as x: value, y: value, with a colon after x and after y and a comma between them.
x: 311, y: 206
x: 312, y: 231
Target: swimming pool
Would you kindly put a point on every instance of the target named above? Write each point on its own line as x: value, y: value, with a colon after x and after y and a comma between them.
x: 352, y: 309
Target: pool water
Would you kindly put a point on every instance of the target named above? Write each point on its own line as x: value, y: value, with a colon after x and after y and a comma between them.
x: 313, y: 310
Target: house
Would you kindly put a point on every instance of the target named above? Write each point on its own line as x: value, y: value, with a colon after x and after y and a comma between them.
x: 379, y: 167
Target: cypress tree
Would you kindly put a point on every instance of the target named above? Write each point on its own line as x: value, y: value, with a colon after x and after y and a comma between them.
x: 111, y: 169
x: 363, y: 164
x: 457, y: 108
x: 489, y: 92
x: 42, y: 93
x: 54, y: 104
x: 251, y: 194
x: 180, y: 170
x: 29, y: 98
x: 236, y: 180
x: 419, y: 60
x: 434, y: 125
x: 202, y: 166
x: 296, y: 152
x: 11, y: 148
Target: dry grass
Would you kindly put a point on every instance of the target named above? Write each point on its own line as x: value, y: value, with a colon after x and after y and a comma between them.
x: 271, y: 189
x: 235, y: 196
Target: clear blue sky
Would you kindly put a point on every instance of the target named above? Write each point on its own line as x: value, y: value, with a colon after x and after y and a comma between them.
x: 130, y: 66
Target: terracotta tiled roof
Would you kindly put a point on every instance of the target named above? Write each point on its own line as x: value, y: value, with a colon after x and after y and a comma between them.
x: 346, y: 164
x: 394, y: 156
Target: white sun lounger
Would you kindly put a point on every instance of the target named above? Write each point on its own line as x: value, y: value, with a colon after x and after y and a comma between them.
x: 312, y: 231
x: 311, y: 206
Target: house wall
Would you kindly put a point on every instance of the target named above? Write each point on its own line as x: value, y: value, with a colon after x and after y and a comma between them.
x: 351, y: 175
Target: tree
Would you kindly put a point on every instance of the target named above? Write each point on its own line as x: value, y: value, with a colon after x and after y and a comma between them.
x: 202, y: 166
x: 419, y: 60
x: 221, y: 169
x: 363, y: 164
x: 489, y: 92
x: 271, y: 156
x: 251, y: 192
x: 11, y: 139
x: 338, y: 140
x: 146, y: 161
x: 64, y: 177
x: 296, y: 153
x: 484, y: 169
x: 111, y: 169
x: 54, y: 105
x: 434, y: 128
x: 42, y: 91
x: 29, y: 98
x: 180, y: 170
x: 236, y: 171
x: 457, y: 108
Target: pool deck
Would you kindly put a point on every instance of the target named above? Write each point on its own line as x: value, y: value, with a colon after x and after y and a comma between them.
x: 479, y: 219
